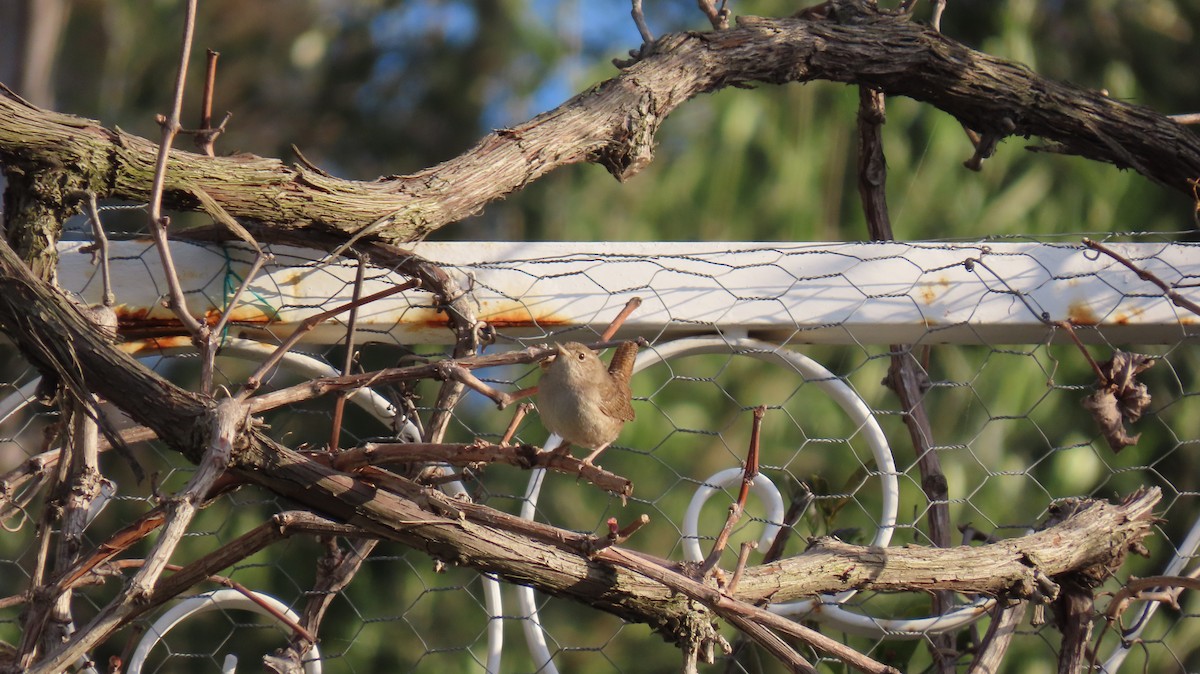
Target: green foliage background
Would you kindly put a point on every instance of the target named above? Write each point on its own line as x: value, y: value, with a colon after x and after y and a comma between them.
x: 384, y: 87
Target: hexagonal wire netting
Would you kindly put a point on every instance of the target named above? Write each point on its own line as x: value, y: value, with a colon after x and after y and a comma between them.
x: 807, y: 330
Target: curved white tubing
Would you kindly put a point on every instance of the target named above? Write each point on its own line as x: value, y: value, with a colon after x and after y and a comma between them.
x: 212, y: 601
x: 762, y: 487
x: 531, y: 623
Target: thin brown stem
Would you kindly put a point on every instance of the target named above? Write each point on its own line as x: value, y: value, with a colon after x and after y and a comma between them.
x: 1176, y: 299
x: 318, y: 387
x: 453, y: 371
x: 101, y: 247
x: 749, y: 472
x: 522, y: 410
x: 1002, y: 629
x: 1069, y: 327
x: 619, y: 320
x: 743, y: 557
x: 159, y: 223
x: 639, y: 19
x: 34, y: 620
x: 255, y: 380
x: 339, y: 404
x: 206, y: 135
x: 227, y: 417
x: 617, y: 536
x: 521, y: 456
x: 232, y: 584
x: 717, y: 16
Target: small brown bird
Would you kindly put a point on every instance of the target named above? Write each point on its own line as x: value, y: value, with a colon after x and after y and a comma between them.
x: 583, y: 402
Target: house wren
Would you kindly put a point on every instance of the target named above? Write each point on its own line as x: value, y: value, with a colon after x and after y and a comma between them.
x: 582, y: 401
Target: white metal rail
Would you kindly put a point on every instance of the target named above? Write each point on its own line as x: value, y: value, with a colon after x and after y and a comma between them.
x: 865, y: 293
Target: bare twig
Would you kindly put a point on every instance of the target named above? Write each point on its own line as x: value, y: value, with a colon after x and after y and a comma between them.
x: 773, y: 643
x: 451, y: 370
x: 206, y: 135
x: 281, y: 526
x: 82, y: 487
x: 227, y: 417
x: 334, y: 572
x: 255, y: 380
x: 522, y: 410
x: 717, y: 16
x: 988, y: 140
x: 259, y: 260
x: 101, y: 246
x: 159, y: 223
x: 1176, y: 299
x: 640, y: 20
x: 318, y: 387
x: 749, y: 472
x: 1069, y: 327
x: 298, y: 629
x: 1134, y: 588
x: 617, y: 536
x: 521, y: 456
x: 208, y: 352
x: 619, y: 319
x: 42, y: 604
x: 339, y: 404
x: 743, y: 557
x: 935, y: 17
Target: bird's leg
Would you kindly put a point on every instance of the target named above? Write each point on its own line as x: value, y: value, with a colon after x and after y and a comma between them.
x: 595, y: 453
x: 562, y: 448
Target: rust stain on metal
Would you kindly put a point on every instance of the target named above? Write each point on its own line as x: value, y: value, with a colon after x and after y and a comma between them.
x: 929, y: 291
x: 292, y: 278
x: 135, y: 323
x: 507, y: 315
x: 1079, y: 313
x: 146, y: 323
x: 155, y: 345
x: 242, y: 313
x: 1134, y: 314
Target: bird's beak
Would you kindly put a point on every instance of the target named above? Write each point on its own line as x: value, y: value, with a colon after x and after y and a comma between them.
x: 559, y: 352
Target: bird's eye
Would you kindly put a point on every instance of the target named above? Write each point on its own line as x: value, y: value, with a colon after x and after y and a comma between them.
x: 581, y: 356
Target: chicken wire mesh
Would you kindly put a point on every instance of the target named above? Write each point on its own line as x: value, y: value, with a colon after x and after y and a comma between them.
x: 807, y: 330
